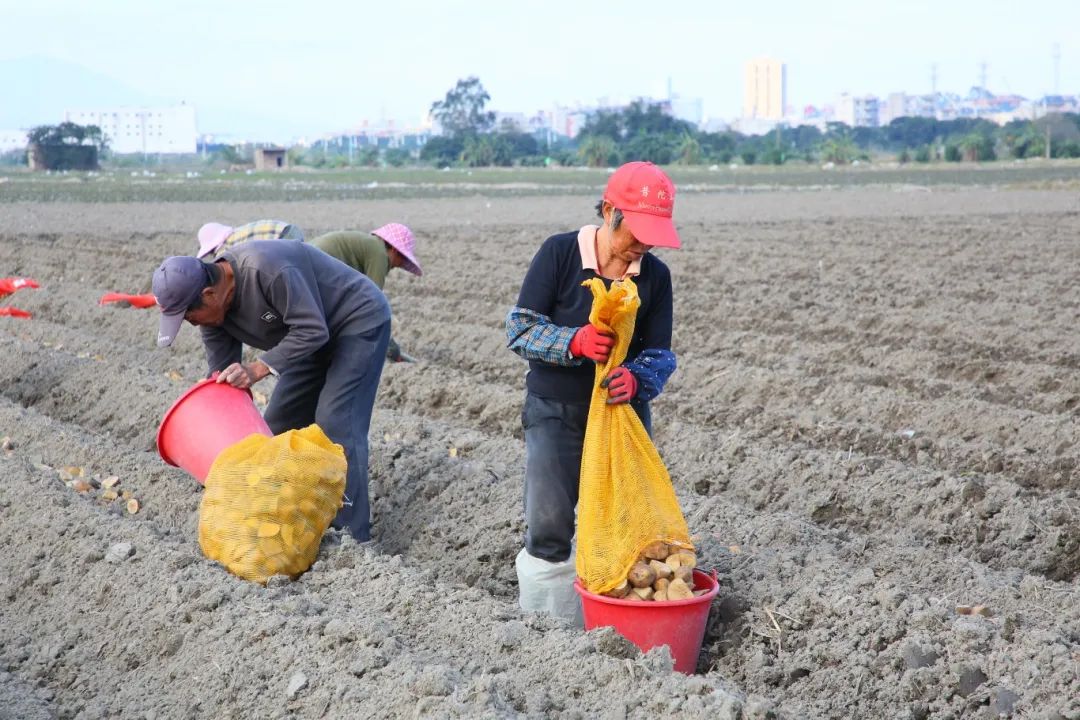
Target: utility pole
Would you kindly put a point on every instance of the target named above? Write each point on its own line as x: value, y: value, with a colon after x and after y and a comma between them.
x: 982, y: 75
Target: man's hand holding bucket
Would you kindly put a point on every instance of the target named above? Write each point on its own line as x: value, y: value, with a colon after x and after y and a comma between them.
x: 243, y: 376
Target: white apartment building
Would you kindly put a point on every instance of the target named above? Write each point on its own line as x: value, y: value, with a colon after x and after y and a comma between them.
x: 155, y: 130
x: 858, y: 111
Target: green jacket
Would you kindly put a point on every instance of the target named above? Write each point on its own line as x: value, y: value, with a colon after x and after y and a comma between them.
x: 364, y: 252
x: 359, y: 250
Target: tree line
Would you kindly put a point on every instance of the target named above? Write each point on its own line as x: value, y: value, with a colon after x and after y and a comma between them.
x: 643, y: 131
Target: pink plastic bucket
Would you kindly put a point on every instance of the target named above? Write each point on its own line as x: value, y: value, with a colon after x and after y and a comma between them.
x: 679, y: 624
x: 205, y: 420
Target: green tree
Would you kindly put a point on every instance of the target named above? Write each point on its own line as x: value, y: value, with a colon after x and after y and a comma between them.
x: 478, y: 151
x: 650, y: 119
x: 607, y: 123
x: 598, y: 151
x: 774, y: 156
x: 462, y: 111
x: 69, y: 145
x: 718, y: 147
x: 838, y: 149
x: 976, y: 147
x: 1058, y: 129
x: 911, y: 132
x: 396, y: 157
x: 367, y: 157
x: 229, y: 154
x: 442, y: 151
x: 655, y: 148
x: 689, y: 151
x: 520, y: 145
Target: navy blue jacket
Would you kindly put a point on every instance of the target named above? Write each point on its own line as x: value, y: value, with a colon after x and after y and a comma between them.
x: 552, y: 287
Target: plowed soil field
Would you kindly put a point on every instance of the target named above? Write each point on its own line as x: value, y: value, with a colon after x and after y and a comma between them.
x: 874, y: 423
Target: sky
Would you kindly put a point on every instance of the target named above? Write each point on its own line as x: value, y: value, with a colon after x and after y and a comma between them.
x: 295, y: 69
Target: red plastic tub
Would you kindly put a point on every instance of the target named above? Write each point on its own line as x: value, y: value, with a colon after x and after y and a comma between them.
x: 679, y: 624
x: 205, y: 420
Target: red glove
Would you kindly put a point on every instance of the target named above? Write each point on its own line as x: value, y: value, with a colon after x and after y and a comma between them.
x: 10, y: 285
x: 139, y: 301
x: 13, y: 312
x: 621, y: 385
x: 589, y: 342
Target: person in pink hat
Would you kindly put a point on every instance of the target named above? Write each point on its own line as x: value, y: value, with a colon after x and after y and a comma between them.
x: 215, y: 238
x: 549, y: 326
x: 375, y: 254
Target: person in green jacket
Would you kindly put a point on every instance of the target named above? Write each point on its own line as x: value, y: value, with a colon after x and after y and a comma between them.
x: 375, y: 254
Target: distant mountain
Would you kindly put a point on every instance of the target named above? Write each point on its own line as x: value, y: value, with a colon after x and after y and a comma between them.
x: 37, y: 90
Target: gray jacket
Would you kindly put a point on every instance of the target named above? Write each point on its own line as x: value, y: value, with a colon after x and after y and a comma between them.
x: 290, y: 300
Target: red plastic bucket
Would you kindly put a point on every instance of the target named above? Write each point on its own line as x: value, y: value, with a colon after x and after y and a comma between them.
x: 679, y: 624
x: 205, y: 420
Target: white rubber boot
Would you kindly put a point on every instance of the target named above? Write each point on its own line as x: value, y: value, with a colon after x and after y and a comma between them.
x: 548, y: 587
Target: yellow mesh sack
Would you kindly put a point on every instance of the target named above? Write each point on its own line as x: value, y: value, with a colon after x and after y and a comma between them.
x: 269, y: 500
x: 625, y: 500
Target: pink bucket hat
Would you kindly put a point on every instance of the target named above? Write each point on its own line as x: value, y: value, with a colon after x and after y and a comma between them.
x: 402, y: 240
x: 211, y: 237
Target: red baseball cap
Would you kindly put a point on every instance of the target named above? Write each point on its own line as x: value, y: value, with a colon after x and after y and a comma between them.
x: 646, y: 197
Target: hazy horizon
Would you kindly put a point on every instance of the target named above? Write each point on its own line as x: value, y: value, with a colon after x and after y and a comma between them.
x: 327, y: 66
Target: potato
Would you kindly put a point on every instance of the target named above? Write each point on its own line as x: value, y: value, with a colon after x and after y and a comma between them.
x: 678, y: 590
x: 661, y: 569
x: 644, y: 593
x: 656, y: 551
x: 619, y: 591
x: 641, y: 575
x: 685, y: 574
x: 660, y: 596
x: 686, y: 558
x: 633, y: 598
x: 699, y: 593
x: 661, y: 585
x: 268, y: 529
x: 674, y: 561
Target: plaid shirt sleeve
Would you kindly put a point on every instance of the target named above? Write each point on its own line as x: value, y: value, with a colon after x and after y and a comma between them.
x: 534, y: 337
x: 259, y: 230
x: 652, y: 368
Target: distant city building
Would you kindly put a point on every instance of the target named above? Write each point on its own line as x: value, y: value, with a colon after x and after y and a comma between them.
x: 754, y: 126
x: 691, y: 110
x: 12, y: 140
x: 765, y: 89
x: 568, y: 121
x: 156, y: 130
x: 715, y: 125
x: 858, y: 111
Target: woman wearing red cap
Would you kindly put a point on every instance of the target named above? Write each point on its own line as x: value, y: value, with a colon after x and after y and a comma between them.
x: 550, y: 328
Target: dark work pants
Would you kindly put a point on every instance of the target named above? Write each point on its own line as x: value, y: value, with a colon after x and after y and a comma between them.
x: 554, y: 438
x: 335, y: 388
